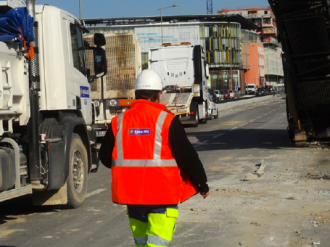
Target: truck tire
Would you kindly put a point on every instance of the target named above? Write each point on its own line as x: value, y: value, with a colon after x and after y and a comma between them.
x: 216, y: 115
x: 78, y: 171
x: 196, y: 119
x: 204, y: 121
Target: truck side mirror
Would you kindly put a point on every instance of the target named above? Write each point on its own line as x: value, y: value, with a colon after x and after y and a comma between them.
x: 100, y: 62
x: 99, y: 39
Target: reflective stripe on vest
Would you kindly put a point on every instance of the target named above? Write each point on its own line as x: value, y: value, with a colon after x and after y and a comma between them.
x: 157, y: 161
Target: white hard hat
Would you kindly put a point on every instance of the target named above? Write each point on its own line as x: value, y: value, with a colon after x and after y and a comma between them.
x: 148, y: 79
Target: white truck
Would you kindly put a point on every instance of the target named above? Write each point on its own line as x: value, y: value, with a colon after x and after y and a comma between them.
x: 184, y: 72
x: 47, y: 146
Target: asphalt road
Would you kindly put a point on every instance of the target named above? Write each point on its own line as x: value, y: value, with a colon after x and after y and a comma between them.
x: 237, y: 212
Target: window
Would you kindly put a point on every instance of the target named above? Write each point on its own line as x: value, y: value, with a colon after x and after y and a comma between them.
x: 77, y: 49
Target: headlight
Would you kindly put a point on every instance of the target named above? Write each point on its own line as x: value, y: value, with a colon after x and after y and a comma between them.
x: 113, y: 102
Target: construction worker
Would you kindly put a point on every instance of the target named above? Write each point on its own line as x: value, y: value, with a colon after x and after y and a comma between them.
x: 154, y: 166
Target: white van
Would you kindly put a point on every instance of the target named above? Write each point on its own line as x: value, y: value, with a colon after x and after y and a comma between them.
x: 250, y: 89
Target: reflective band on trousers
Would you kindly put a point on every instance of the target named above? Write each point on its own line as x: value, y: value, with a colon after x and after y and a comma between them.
x: 156, y: 240
x: 157, y: 161
x: 140, y: 241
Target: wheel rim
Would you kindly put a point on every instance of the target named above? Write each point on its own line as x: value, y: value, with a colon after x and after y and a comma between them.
x: 196, y: 117
x: 77, y: 171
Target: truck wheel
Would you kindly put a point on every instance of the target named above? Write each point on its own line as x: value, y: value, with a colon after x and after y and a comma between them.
x: 204, y: 121
x: 217, y: 115
x: 78, y: 170
x: 195, y: 124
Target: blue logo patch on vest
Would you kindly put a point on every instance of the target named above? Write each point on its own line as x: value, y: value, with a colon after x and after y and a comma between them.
x: 139, y: 131
x: 84, y: 92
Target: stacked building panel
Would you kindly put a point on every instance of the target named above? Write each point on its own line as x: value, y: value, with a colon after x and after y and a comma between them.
x: 123, y: 65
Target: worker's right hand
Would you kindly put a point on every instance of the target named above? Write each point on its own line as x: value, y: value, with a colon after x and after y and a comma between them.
x: 204, y: 195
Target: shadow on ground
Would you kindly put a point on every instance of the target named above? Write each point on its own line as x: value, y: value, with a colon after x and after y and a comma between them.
x: 20, y: 206
x: 242, y: 139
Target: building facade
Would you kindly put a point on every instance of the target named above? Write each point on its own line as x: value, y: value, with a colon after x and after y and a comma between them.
x: 265, y: 20
x: 221, y: 40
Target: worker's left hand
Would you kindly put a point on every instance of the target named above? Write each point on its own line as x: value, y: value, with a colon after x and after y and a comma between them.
x: 204, y: 195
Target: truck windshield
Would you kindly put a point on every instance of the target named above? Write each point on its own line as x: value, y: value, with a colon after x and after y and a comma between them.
x: 250, y: 86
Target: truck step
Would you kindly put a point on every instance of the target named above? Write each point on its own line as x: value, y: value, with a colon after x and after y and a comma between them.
x: 10, y: 194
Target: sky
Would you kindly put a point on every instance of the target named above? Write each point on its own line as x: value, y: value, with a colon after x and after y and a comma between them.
x: 138, y: 8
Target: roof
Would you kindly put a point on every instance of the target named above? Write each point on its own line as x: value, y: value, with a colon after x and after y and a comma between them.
x: 245, y: 23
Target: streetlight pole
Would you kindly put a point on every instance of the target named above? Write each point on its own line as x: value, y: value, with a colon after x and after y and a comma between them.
x: 80, y: 9
x: 161, y: 17
x: 231, y: 70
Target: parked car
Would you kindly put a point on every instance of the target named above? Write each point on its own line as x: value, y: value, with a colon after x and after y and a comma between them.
x: 232, y: 94
x: 212, y: 107
x: 227, y: 95
x: 250, y: 89
x: 222, y: 93
x: 261, y: 92
x: 216, y: 95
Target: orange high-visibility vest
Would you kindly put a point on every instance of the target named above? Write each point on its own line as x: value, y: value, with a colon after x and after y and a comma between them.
x: 143, y: 169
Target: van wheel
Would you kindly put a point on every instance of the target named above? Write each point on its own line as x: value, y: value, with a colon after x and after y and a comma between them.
x: 78, y: 172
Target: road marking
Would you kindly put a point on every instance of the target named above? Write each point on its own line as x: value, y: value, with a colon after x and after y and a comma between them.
x: 226, y: 158
x: 232, y: 129
x: 218, y: 135
x: 98, y: 191
x: 198, y: 144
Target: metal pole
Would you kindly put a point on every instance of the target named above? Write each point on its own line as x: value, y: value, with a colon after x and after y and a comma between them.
x: 231, y: 71
x: 161, y: 17
x: 80, y: 9
x: 161, y: 24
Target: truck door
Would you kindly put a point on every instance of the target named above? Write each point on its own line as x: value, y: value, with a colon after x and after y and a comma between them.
x: 81, y: 88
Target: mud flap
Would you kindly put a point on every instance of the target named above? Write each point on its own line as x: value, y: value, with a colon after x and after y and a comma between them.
x: 52, y: 197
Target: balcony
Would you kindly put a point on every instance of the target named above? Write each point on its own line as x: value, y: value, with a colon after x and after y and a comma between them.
x: 268, y: 31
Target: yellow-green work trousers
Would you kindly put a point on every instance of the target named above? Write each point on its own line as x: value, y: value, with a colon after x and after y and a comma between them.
x: 152, y: 225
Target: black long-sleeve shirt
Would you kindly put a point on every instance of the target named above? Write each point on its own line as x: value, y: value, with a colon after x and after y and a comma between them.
x: 183, y: 152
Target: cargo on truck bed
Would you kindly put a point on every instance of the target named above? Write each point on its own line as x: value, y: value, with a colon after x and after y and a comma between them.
x: 124, y: 53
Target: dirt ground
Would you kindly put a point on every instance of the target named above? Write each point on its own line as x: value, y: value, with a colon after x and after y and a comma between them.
x: 284, y: 207
x: 286, y: 203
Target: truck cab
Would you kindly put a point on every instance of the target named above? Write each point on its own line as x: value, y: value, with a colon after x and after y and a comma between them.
x: 47, y: 144
x: 184, y: 73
